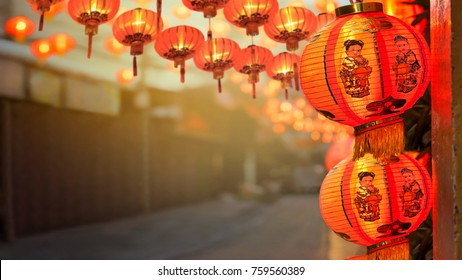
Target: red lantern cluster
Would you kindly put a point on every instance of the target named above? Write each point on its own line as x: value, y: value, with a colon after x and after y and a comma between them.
x: 284, y: 68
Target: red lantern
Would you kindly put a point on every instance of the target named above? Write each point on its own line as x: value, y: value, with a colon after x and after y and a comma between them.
x: 41, y: 49
x: 135, y: 28
x: 42, y: 6
x: 61, y: 43
x: 19, y: 28
x: 251, y: 61
x: 179, y: 44
x: 326, y: 6
x: 364, y: 70
x: 250, y: 14
x: 372, y: 202
x: 216, y: 55
x: 92, y: 13
x: 291, y: 25
x: 284, y: 68
x: 208, y: 7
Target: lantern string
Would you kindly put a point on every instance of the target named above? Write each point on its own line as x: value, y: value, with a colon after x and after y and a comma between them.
x: 253, y: 91
x: 287, y: 94
x: 90, y: 43
x: 159, y: 12
x: 182, y: 73
x: 219, y: 85
x: 41, y: 21
x: 135, y: 68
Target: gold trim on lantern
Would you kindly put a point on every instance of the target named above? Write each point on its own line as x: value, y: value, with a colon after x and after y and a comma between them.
x: 395, y: 249
x: 359, y: 8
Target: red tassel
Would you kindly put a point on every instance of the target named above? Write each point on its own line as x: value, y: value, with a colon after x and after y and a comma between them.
x: 182, y: 74
x: 219, y: 85
x: 135, y: 68
x: 296, y: 77
x: 90, y: 40
x: 41, y: 21
x: 253, y: 91
x: 287, y: 94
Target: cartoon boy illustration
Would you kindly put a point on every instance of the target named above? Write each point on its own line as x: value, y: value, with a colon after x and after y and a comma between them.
x: 355, y: 71
x: 411, y: 195
x: 367, y: 198
x: 407, y: 66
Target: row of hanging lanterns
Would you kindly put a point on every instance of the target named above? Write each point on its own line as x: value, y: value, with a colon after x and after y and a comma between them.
x: 363, y: 70
x: 138, y: 27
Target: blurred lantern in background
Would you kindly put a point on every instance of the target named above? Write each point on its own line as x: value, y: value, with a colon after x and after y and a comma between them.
x: 284, y: 68
x: 251, y: 61
x: 113, y: 46
x: 135, y: 28
x: 41, y: 49
x: 338, y: 151
x: 364, y: 70
x: 61, y: 43
x: 42, y: 6
x: 19, y: 28
x: 376, y: 203
x: 92, y: 13
x: 291, y: 25
x: 217, y: 55
x: 250, y: 14
x: 125, y: 76
x: 181, y: 12
x: 178, y: 44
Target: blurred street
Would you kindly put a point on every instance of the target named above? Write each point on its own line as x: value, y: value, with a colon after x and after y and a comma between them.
x: 287, y: 227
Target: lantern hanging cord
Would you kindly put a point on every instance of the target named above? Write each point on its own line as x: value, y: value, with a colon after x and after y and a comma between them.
x: 209, y: 32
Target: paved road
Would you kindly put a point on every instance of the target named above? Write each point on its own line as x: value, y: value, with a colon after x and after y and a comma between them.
x: 289, y: 227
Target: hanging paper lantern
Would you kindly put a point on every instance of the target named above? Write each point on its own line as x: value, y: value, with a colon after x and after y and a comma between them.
x: 92, y: 13
x: 42, y: 6
x: 135, y: 28
x: 338, y: 151
x: 61, y: 43
x: 364, y: 70
x: 251, y: 61
x: 250, y: 14
x: 216, y: 55
x: 291, y: 25
x: 41, y: 49
x: 180, y: 12
x: 284, y: 68
x: 371, y: 202
x: 208, y: 7
x: 19, y: 27
x: 179, y: 43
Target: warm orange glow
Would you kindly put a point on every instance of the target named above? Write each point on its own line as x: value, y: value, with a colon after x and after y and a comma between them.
x: 220, y: 28
x: 41, y: 48
x: 181, y: 12
x: 62, y: 43
x: 112, y: 45
x: 279, y: 128
x: 19, y: 28
x: 125, y: 76
x: 326, y: 6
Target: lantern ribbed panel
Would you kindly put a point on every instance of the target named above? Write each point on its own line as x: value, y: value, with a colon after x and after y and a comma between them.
x: 381, y: 82
x: 297, y: 22
x: 182, y: 38
x: 139, y: 22
x: 237, y: 10
x: 107, y: 7
x: 262, y: 56
x: 396, y: 206
x: 216, y: 52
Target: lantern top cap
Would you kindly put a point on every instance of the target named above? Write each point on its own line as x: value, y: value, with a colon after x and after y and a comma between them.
x: 359, y: 7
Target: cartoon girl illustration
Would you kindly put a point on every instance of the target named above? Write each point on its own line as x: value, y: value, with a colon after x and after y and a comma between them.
x: 407, y: 66
x: 367, y: 198
x: 411, y: 195
x: 355, y: 71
